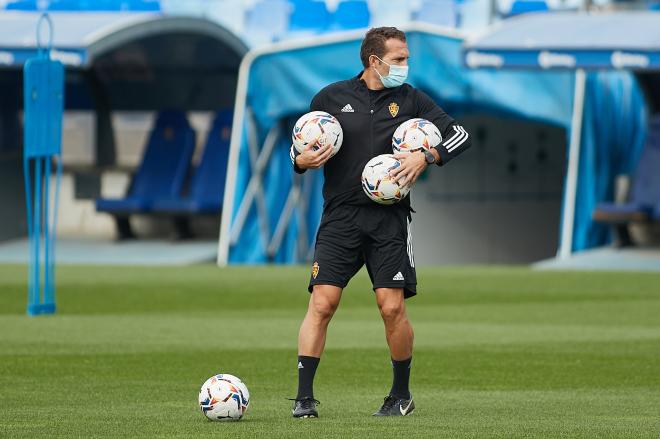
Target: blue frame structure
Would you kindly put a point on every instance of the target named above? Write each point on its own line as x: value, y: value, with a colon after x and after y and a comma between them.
x: 44, y: 105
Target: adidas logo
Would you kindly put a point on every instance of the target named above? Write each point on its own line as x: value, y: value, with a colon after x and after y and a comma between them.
x: 300, y: 366
x: 347, y: 109
x: 398, y: 276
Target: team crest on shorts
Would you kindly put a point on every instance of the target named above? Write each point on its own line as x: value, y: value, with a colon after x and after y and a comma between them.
x: 394, y: 109
x: 315, y: 270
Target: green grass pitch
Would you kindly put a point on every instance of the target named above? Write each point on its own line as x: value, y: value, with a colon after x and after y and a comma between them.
x: 499, y: 352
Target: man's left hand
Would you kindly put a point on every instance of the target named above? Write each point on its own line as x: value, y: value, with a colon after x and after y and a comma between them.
x: 412, y: 165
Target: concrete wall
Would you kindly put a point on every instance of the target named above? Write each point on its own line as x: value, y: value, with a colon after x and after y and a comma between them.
x: 499, y: 202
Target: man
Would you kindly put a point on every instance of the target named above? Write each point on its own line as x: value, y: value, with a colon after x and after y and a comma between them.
x: 354, y: 230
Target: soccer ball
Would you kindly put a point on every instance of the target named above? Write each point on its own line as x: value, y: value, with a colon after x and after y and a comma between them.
x: 415, y: 135
x: 376, y: 181
x: 224, y: 397
x: 317, y: 125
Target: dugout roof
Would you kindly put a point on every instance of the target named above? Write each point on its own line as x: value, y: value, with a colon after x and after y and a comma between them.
x: 621, y: 40
x: 131, y: 61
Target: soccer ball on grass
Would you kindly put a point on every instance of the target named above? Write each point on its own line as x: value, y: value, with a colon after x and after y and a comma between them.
x: 224, y: 397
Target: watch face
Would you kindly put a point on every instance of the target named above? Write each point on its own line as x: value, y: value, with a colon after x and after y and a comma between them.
x: 430, y: 158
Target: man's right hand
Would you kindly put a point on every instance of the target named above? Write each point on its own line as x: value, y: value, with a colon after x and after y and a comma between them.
x: 310, y: 159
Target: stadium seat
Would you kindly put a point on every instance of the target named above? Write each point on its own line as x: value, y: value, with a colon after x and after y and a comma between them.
x: 207, y: 185
x: 141, y: 5
x: 525, y: 6
x: 65, y: 5
x: 160, y: 175
x: 208, y: 181
x: 22, y: 5
x: 267, y: 21
x: 644, y: 201
x: 85, y: 5
x: 350, y: 14
x: 440, y: 12
x: 308, y: 17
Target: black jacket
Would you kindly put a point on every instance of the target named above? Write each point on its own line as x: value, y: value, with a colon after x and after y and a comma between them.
x: 369, y: 119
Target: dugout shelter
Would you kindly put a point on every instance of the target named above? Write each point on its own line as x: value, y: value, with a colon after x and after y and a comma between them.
x: 114, y: 62
x: 271, y: 215
x: 623, y: 45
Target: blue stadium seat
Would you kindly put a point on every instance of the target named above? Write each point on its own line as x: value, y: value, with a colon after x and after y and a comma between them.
x: 163, y: 169
x: 87, y: 5
x: 22, y: 5
x: 644, y: 200
x: 525, y: 6
x: 309, y: 16
x: 66, y: 5
x: 351, y: 14
x: 141, y: 5
x: 440, y: 12
x: 267, y: 21
x: 207, y: 184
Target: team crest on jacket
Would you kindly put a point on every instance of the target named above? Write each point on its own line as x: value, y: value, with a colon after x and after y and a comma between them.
x: 315, y: 270
x: 394, y: 109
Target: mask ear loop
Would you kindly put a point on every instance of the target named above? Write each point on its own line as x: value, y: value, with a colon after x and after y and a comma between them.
x: 376, y: 70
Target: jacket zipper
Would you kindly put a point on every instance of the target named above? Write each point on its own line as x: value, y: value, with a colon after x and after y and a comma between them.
x: 371, y: 128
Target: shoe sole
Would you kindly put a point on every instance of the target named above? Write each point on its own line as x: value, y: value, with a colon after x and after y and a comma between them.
x: 306, y: 416
x: 387, y: 416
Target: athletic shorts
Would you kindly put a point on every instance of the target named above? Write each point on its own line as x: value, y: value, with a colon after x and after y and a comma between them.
x: 352, y: 236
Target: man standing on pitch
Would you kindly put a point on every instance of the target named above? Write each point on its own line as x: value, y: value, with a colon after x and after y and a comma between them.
x: 354, y: 230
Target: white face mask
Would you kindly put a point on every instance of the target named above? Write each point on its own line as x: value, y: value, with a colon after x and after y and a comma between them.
x: 396, y: 77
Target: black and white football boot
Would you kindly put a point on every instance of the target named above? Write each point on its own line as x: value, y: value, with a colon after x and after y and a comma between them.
x: 393, y: 406
x: 305, y: 408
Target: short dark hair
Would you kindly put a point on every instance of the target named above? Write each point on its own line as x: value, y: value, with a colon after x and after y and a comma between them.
x: 374, y: 42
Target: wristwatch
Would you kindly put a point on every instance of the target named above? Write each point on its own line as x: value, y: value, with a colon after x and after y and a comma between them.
x: 430, y: 158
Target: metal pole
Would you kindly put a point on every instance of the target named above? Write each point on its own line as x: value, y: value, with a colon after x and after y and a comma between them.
x: 570, y: 194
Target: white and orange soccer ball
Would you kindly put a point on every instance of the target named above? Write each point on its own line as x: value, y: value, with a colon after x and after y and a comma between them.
x: 415, y: 135
x: 224, y: 397
x: 317, y: 125
x: 377, y: 183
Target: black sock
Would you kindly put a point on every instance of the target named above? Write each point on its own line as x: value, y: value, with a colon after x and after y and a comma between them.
x: 306, y: 370
x: 401, y: 379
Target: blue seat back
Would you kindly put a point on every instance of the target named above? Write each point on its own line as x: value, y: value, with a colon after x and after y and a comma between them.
x: 351, y: 14
x: 524, y: 6
x: 65, y: 5
x: 309, y: 15
x: 141, y: 5
x: 646, y: 184
x: 208, y: 183
x: 22, y: 5
x: 166, y: 159
x: 87, y: 5
x: 440, y: 12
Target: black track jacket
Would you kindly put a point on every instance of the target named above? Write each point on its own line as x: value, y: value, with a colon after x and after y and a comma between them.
x: 368, y: 119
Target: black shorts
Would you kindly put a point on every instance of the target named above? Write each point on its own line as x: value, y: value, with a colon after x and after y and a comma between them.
x: 378, y: 236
